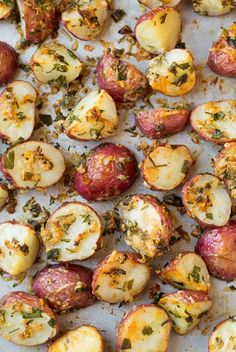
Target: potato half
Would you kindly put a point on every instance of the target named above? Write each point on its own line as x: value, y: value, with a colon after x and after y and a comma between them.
x: 6, y: 8
x: 213, y: 7
x: 147, y: 225
x: 223, y: 337
x: 120, y: 277
x: 144, y: 328
x: 156, y: 3
x: 73, y: 232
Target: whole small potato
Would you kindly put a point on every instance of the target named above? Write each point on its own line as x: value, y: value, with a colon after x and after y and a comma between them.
x: 223, y: 336
x: 8, y: 63
x: 105, y: 172
x: 217, y: 247
x: 64, y: 287
x: 122, y: 80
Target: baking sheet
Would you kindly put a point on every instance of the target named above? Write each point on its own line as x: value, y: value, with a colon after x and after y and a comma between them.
x: 198, y: 33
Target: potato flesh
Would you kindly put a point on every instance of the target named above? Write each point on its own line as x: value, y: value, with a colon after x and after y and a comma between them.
x: 17, y: 111
x: 165, y: 167
x: 223, y: 337
x: 5, y: 9
x: 4, y: 195
x: 54, y: 63
x: 155, y: 3
x: 72, y: 232
x: 212, y: 7
x: 95, y: 117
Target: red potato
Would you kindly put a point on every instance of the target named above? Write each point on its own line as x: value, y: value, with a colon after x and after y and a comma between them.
x: 64, y: 287
x: 86, y: 338
x: 8, y: 63
x: 165, y: 166
x: 26, y: 319
x: 213, y: 8
x: 122, y: 80
x: 222, y: 55
x: 144, y: 328
x: 225, y: 167
x: 186, y: 271
x: 156, y: 3
x: 94, y: 117
x: 4, y: 196
x: 120, y: 277
x: 223, y: 337
x: 172, y: 73
x: 17, y: 111
x: 72, y: 232
x: 6, y: 7
x: 206, y: 200
x: 147, y: 225
x: 39, y: 19
x: 19, y: 246
x: 215, y: 121
x: 33, y: 165
x: 217, y: 247
x: 159, y: 123
x: 106, y: 172
x: 85, y: 20
x: 186, y: 309
x: 159, y: 30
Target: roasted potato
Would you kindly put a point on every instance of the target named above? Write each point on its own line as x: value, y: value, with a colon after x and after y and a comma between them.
x: 223, y: 337
x: 152, y: 4
x: 122, y: 80
x: 159, y: 123
x: 172, y: 73
x: 26, y: 319
x: 213, y: 8
x: 64, y: 286
x: 39, y: 19
x: 95, y: 117
x: 144, y: 328
x: 186, y: 271
x: 17, y: 111
x: 147, y: 225
x: 165, y: 166
x: 120, y: 277
x: 4, y: 195
x: 33, y: 164
x: 215, y: 121
x: 85, y: 19
x: 107, y: 171
x: 217, y: 247
x: 206, y: 200
x: 6, y: 7
x: 73, y: 232
x: 53, y: 63
x: 159, y: 30
x: 225, y: 167
x: 222, y: 55
x: 186, y: 309
x: 8, y: 63
x: 86, y: 338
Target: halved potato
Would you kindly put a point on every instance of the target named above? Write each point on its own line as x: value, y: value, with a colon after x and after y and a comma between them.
x: 17, y: 111
x: 86, y: 338
x: 223, y: 337
x: 53, y: 63
x: 172, y: 73
x: 26, y: 319
x: 166, y: 166
x: 144, y: 328
x: 4, y: 195
x: 215, y: 121
x: 147, y: 225
x: 186, y: 309
x: 155, y: 3
x: 95, y: 117
x: 85, y: 19
x: 222, y: 55
x: 213, y: 7
x: 6, y: 7
x: 186, y: 271
x: 73, y: 232
x: 19, y: 247
x: 32, y: 165
x: 120, y: 277
x: 206, y: 200
x: 159, y: 30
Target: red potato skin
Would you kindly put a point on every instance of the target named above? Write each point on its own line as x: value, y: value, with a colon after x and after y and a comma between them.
x: 135, y: 85
x: 160, y: 123
x: 222, y: 58
x: 57, y: 285
x: 217, y: 247
x: 99, y: 180
x: 8, y: 63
